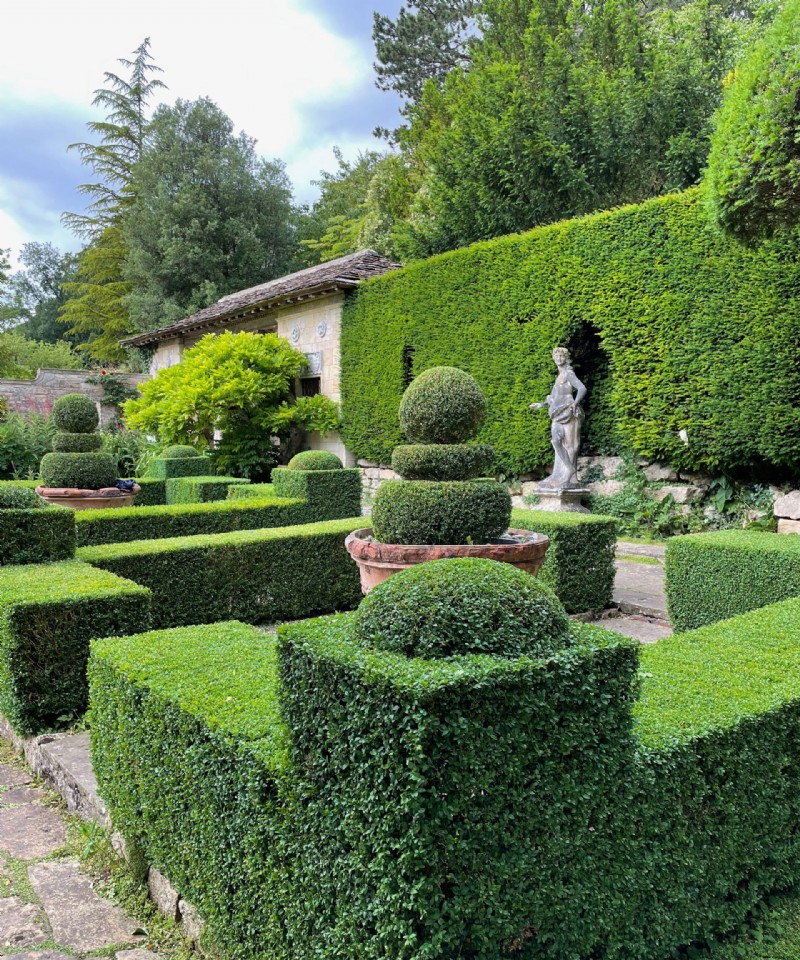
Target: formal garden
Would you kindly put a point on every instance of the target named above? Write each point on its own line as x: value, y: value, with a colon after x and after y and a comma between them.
x: 391, y: 709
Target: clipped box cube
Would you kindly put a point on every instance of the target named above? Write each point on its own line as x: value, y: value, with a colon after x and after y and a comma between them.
x: 37, y: 535
x: 164, y: 468
x: 48, y: 615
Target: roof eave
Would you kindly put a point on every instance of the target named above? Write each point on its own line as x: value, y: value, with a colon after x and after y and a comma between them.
x: 176, y: 331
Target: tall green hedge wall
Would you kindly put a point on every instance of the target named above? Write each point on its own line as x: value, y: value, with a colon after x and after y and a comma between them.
x: 674, y: 326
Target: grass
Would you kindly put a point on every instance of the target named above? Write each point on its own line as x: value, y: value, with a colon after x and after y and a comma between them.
x: 633, y: 558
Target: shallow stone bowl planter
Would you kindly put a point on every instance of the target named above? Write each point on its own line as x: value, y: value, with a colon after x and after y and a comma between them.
x: 79, y: 499
x: 378, y: 561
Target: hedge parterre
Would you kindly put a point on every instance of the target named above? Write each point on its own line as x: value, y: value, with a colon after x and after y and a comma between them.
x: 258, y: 576
x: 123, y: 524
x: 48, y: 615
x: 713, y: 576
x: 329, y: 494
x: 344, y: 800
x: 200, y: 489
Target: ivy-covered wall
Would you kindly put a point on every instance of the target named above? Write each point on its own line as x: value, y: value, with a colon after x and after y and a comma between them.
x: 673, y: 325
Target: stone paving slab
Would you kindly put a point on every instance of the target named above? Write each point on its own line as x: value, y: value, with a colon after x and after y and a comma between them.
x: 79, y: 918
x: 17, y: 795
x: 636, y: 627
x: 12, y: 777
x: 20, y: 923
x: 139, y: 954
x: 31, y: 831
x: 639, y: 589
x: 43, y: 955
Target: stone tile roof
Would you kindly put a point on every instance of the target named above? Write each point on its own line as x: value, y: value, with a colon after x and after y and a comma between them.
x: 341, y: 274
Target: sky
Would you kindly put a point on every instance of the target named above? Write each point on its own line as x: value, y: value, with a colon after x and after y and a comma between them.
x: 295, y: 74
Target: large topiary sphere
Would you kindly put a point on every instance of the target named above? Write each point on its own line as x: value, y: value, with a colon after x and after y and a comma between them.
x: 450, y: 512
x: 179, y: 452
x: 315, y: 460
x: 19, y: 498
x: 84, y: 471
x: 443, y: 405
x: 449, y: 607
x: 75, y: 413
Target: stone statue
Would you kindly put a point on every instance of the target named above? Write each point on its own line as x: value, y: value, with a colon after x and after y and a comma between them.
x: 566, y: 416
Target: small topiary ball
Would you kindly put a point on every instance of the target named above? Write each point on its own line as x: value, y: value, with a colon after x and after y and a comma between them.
x: 443, y: 405
x: 449, y: 607
x: 179, y: 452
x: 315, y: 460
x: 75, y: 413
x: 19, y: 498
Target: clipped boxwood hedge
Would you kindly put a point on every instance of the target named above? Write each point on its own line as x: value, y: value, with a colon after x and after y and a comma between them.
x: 259, y: 576
x: 639, y: 294
x: 123, y: 524
x: 329, y: 494
x: 580, y: 559
x: 714, y: 576
x: 153, y: 492
x: 38, y: 535
x: 48, y: 615
x: 256, y: 491
x: 440, y: 461
x: 342, y: 801
x: 200, y: 489
x: 88, y: 471
x: 164, y: 468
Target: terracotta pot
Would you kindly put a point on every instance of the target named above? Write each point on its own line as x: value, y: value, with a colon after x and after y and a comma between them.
x: 78, y: 499
x: 378, y: 561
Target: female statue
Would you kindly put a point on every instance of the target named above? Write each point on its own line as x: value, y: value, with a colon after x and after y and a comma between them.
x: 566, y: 415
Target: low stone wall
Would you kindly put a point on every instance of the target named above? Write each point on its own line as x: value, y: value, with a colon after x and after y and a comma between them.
x: 39, y: 395
x: 787, y: 511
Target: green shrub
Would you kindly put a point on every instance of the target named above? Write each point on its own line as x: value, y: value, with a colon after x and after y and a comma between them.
x: 48, y: 615
x: 257, y: 491
x: 178, y: 451
x: 36, y: 535
x: 422, y: 511
x: 14, y: 497
x: 77, y: 442
x: 153, y: 492
x: 329, y: 494
x: 621, y: 290
x: 259, y: 576
x: 23, y: 443
x: 90, y: 471
x: 75, y: 413
x: 450, y: 607
x: 124, y: 524
x: 436, y: 461
x: 165, y: 468
x: 752, y: 176
x: 200, y: 489
x: 443, y: 405
x: 219, y: 810
x: 315, y: 460
x: 579, y: 566
x: 714, y: 576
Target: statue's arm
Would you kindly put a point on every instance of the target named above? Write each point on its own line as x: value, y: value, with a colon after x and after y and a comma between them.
x: 578, y: 387
x: 548, y: 402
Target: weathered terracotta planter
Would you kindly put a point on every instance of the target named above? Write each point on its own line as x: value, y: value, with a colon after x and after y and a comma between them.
x: 79, y: 499
x: 378, y: 561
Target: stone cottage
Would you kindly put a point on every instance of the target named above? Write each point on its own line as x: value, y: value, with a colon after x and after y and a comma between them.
x: 304, y: 307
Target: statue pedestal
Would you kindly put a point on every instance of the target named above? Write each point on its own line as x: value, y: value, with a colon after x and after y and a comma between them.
x: 564, y: 501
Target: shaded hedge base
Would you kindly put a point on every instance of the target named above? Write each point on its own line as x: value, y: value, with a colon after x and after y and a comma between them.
x: 343, y: 802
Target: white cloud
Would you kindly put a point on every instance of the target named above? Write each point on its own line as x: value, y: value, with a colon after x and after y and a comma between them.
x: 261, y: 61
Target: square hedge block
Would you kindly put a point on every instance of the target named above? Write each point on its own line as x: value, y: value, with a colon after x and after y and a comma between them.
x: 201, y: 489
x: 163, y: 468
x: 330, y: 494
x: 36, y: 536
x: 48, y: 615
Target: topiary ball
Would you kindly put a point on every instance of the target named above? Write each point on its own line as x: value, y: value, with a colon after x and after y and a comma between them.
x: 19, y: 498
x: 443, y: 405
x: 315, y: 460
x: 75, y: 413
x: 179, y: 452
x: 449, y: 607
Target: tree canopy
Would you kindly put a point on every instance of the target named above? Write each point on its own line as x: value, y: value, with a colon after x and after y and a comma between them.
x: 754, y: 166
x: 236, y: 384
x: 210, y: 216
